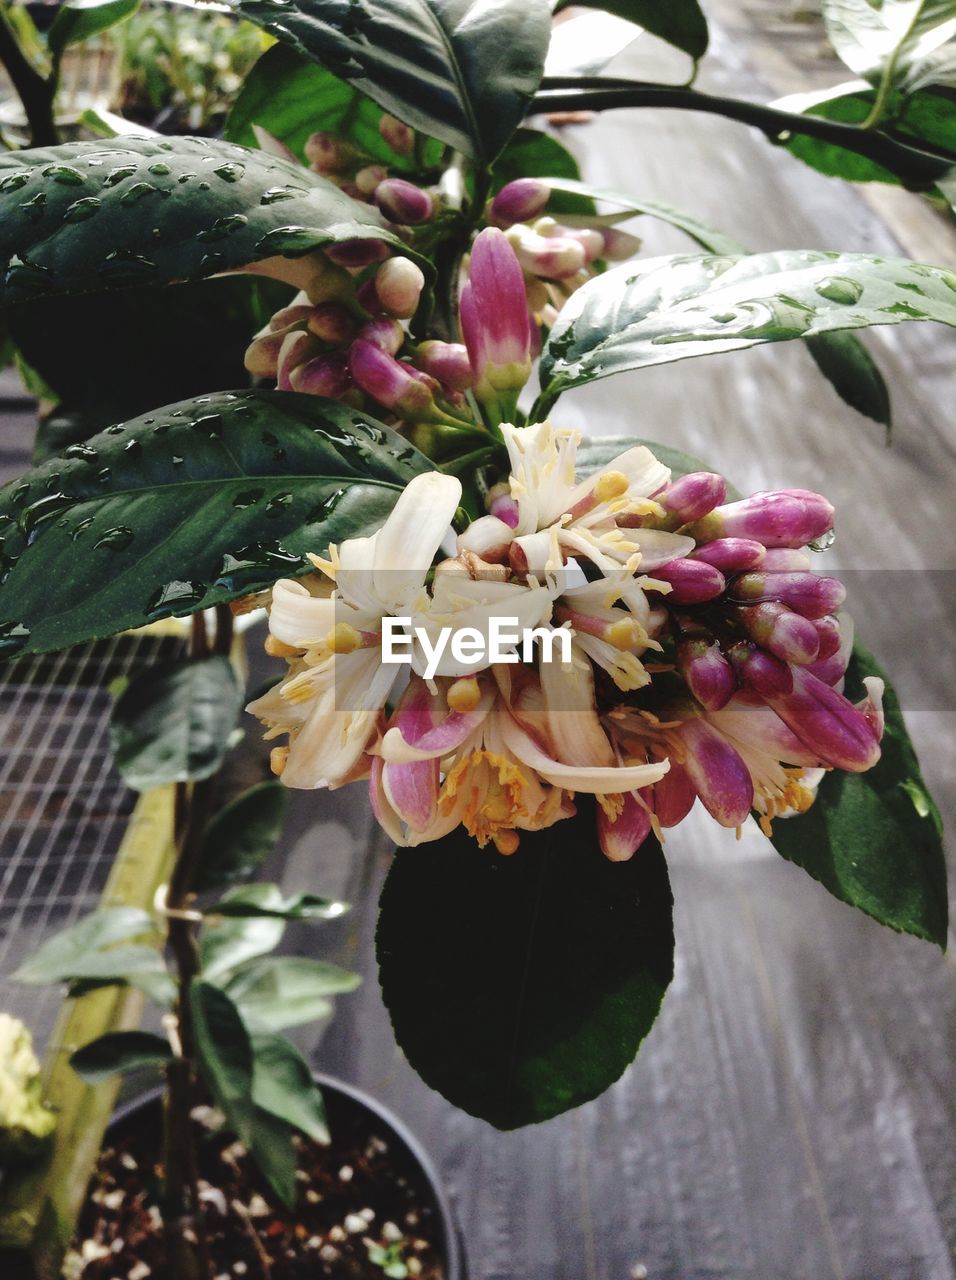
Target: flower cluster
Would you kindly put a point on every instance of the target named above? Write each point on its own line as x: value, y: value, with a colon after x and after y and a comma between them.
x: 706, y: 656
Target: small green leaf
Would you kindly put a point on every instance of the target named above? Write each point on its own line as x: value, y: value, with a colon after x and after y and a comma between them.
x: 226, y: 943
x: 241, y: 836
x: 534, y: 993
x: 679, y: 22
x: 172, y: 722
x: 79, y: 20
x: 283, y: 1085
x: 57, y: 959
x: 189, y: 506
x: 81, y: 217
x: 224, y: 1053
x: 119, y: 1053
x: 268, y: 900
x: 664, y: 309
x: 290, y: 96
x: 276, y: 992
x: 874, y: 839
x: 463, y: 71
x: 272, y: 1147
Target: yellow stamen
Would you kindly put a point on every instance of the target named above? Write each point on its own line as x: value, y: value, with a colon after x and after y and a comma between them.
x: 278, y: 758
x: 464, y: 695
x: 613, y: 805
x: 343, y: 638
x: 506, y: 842
x: 623, y: 634
x: 277, y: 648
x: 612, y: 484
x: 493, y: 788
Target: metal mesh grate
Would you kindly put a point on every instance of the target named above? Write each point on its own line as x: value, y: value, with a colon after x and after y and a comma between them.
x: 63, y: 806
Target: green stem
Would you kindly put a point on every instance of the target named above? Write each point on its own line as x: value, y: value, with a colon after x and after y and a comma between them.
x: 34, y: 91
x: 916, y: 169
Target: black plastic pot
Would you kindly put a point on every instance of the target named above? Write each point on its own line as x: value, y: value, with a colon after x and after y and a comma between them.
x: 338, y: 1094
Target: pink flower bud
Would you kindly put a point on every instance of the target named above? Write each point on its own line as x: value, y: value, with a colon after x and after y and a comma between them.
x: 297, y: 347
x: 403, y: 202
x: 692, y: 581
x: 262, y: 354
x: 785, y: 560
x: 839, y: 733
x: 554, y: 257
x: 619, y: 245
x: 331, y: 322
x: 328, y: 153
x: 447, y: 362
x: 785, y: 634
x: 720, y: 777
x: 828, y: 636
x: 367, y: 179
x: 780, y: 518
x: 325, y: 375
x: 731, y: 555
x: 494, y: 318
x: 707, y: 673
x: 384, y: 333
x: 357, y: 253
x: 398, y: 285
x: 694, y: 496
x: 520, y: 201
x: 805, y: 593
x: 396, y: 134
x: 674, y: 796
x: 388, y: 381
x: 621, y: 837
x: 501, y: 504
x: 760, y: 671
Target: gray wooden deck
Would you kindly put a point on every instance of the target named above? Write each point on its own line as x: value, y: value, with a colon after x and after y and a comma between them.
x: 791, y: 1116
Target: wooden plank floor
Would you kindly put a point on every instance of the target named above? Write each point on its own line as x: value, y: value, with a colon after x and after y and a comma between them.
x: 792, y: 1114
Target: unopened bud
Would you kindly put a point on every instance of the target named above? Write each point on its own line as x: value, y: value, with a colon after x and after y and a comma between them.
x: 325, y: 375
x: 731, y: 555
x: 396, y: 134
x: 398, y: 285
x: 298, y: 346
x: 391, y: 383
x: 358, y: 253
x: 692, y: 581
x: 447, y: 362
x: 553, y: 257
x: 693, y: 496
x: 520, y: 201
x: 331, y: 322
x: 783, y: 518
x: 385, y: 333
x: 328, y: 153
x: 785, y: 634
x: 718, y: 774
x: 403, y: 202
x: 367, y: 179
x: 707, y: 673
x: 805, y: 593
x: 619, y: 245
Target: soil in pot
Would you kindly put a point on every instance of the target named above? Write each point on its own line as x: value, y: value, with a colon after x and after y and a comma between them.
x: 365, y: 1209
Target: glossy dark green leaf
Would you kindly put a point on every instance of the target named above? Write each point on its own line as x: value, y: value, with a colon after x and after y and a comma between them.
x: 268, y: 900
x: 275, y: 992
x: 874, y: 839
x: 58, y: 958
x: 840, y: 357
x: 186, y: 507
x: 88, y: 216
x: 679, y: 22
x: 283, y: 1085
x: 271, y: 1142
x: 172, y: 722
x: 463, y: 71
x: 291, y: 97
x: 119, y: 1053
x: 79, y: 20
x: 241, y: 836
x: 224, y: 1052
x: 662, y: 309
x: 521, y: 987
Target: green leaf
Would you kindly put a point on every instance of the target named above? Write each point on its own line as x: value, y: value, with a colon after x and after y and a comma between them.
x: 189, y: 506
x: 840, y: 357
x: 663, y: 309
x: 853, y: 373
x: 79, y: 20
x: 533, y: 992
x: 679, y: 22
x: 282, y: 1084
x: 886, y: 40
x: 926, y: 118
x: 241, y: 836
x: 83, y: 217
x: 224, y: 1052
x: 119, y: 1053
x: 276, y: 992
x: 462, y: 71
x: 226, y: 943
x: 172, y: 722
x: 268, y: 900
x: 291, y: 97
x: 271, y: 1142
x: 874, y: 839
x: 57, y: 959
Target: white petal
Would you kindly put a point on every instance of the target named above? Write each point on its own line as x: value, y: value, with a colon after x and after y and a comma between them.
x: 298, y: 618
x: 658, y: 547
x: 596, y: 781
x: 407, y: 542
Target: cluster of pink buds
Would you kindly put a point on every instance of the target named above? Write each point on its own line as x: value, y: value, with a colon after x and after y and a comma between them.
x: 556, y: 257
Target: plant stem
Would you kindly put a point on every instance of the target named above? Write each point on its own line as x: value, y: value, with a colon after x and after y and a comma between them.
x: 916, y: 169
x: 34, y: 90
